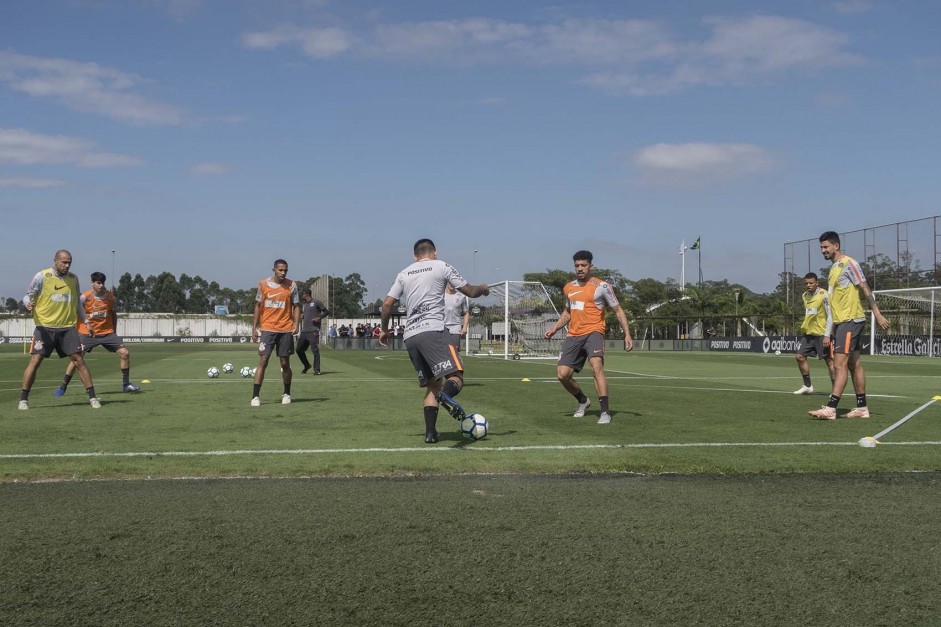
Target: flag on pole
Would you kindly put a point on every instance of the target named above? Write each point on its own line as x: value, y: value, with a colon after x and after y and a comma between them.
x: 695, y: 245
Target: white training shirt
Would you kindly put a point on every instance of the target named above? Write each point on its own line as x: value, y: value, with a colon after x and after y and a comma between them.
x: 421, y: 288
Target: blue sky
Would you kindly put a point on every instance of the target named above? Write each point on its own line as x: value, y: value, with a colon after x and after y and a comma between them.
x: 211, y: 137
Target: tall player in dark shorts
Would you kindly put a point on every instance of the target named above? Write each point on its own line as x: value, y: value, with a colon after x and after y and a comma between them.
x: 420, y: 288
x: 586, y: 299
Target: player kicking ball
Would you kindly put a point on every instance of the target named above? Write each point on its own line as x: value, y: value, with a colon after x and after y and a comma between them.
x: 421, y: 288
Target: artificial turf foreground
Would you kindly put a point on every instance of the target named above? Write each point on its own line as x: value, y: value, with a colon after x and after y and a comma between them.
x: 475, y: 550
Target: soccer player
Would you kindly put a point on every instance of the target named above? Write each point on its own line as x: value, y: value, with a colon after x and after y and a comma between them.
x: 421, y: 288
x: 586, y: 299
x: 312, y: 312
x: 456, y: 316
x: 814, y: 339
x: 52, y: 296
x: 846, y: 283
x: 277, y: 318
x: 100, y: 329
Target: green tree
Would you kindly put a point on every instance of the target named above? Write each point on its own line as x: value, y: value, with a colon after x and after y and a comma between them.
x: 166, y: 294
x: 346, y: 296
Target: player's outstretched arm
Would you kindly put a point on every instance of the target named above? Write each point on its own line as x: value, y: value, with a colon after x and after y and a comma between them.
x: 881, y: 320
x: 622, y: 320
x: 386, y: 315
x: 563, y: 320
x: 474, y: 291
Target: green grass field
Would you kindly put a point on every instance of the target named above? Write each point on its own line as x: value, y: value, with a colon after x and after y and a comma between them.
x: 711, y: 499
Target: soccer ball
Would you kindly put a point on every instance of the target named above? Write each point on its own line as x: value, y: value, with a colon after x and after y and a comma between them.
x: 228, y: 368
x: 213, y: 372
x: 252, y: 371
x: 778, y: 353
x: 245, y: 371
x: 475, y: 427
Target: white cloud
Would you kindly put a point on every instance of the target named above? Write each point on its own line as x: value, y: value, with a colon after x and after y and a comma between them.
x: 30, y: 183
x: 318, y: 43
x: 209, y: 168
x: 638, y: 57
x: 696, y: 163
x: 738, y: 51
x: 87, y: 87
x: 21, y: 147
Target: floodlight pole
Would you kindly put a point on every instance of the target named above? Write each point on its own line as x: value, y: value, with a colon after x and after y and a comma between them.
x: 683, y: 248
x: 112, y: 270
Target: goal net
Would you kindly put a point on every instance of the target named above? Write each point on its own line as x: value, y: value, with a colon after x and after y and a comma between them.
x: 913, y: 314
x: 516, y: 316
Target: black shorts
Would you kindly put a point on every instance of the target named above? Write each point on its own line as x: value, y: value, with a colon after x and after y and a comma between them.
x: 63, y: 340
x: 112, y: 342
x: 813, y: 345
x: 432, y: 356
x: 270, y: 340
x: 847, y: 337
x: 577, y: 349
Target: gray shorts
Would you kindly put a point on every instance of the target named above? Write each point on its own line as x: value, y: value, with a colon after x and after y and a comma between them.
x: 812, y: 345
x: 63, y: 340
x: 432, y: 356
x: 577, y: 349
x: 847, y: 337
x: 112, y: 342
x: 270, y: 340
x: 454, y: 339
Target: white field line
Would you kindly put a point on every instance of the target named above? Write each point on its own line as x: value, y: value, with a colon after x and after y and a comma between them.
x: 496, y: 449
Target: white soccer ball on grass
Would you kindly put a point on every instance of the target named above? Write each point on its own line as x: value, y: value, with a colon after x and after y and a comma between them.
x: 213, y: 372
x: 227, y: 367
x: 475, y: 427
x: 245, y: 371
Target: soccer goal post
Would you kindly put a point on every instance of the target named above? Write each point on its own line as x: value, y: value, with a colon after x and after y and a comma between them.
x: 516, y: 316
x: 913, y: 316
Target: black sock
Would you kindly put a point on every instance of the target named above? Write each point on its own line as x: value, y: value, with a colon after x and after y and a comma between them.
x: 451, y: 388
x: 806, y: 378
x: 834, y: 401
x: 860, y: 400
x: 287, y: 389
x: 24, y: 395
x: 125, y: 376
x: 256, y: 389
x: 582, y: 399
x: 66, y: 380
x: 431, y: 417
x: 91, y: 391
x: 603, y: 401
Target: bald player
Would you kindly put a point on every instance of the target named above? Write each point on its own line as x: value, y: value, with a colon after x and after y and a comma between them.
x: 52, y: 297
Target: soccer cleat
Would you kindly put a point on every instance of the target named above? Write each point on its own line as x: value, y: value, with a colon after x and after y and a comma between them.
x: 305, y: 370
x: 256, y: 402
x: 580, y: 412
x: 59, y: 391
x: 285, y: 399
x: 130, y: 387
x: 316, y: 372
x: 431, y: 437
x: 805, y: 389
x: 859, y: 412
x: 452, y: 406
x: 824, y: 413
x: 605, y: 418
x: 24, y: 405
x: 95, y: 403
